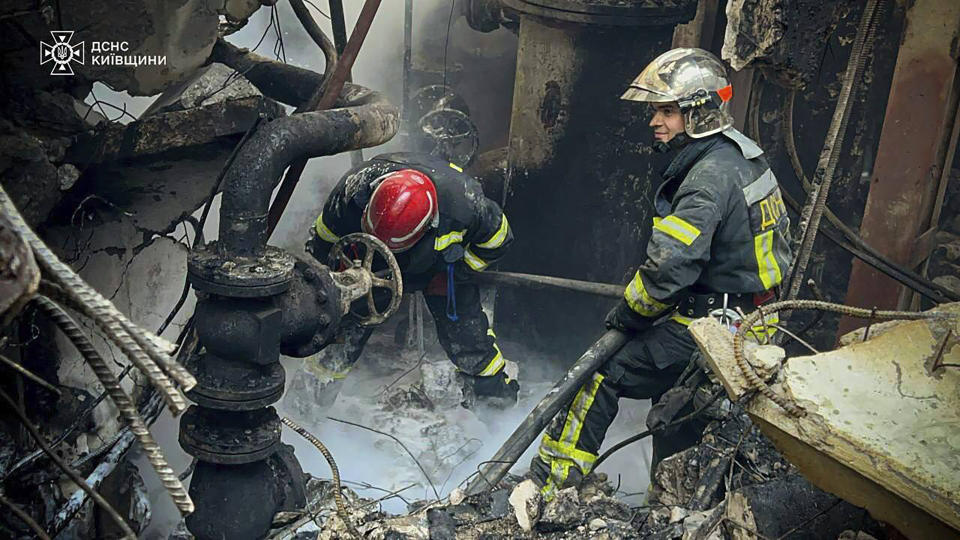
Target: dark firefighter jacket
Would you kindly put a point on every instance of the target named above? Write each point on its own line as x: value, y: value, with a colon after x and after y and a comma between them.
x: 722, y: 227
x: 472, y: 231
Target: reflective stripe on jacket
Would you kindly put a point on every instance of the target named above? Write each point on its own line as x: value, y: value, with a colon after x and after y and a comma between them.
x: 722, y: 226
x: 471, y: 228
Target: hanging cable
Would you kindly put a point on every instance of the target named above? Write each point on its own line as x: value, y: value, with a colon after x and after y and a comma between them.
x: 38, y: 438
x: 823, y: 178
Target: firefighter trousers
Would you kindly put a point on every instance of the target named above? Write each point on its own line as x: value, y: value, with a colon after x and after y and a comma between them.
x: 646, y: 367
x: 464, y: 333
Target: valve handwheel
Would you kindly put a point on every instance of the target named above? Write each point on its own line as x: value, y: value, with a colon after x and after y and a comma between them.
x: 452, y: 133
x: 346, y: 255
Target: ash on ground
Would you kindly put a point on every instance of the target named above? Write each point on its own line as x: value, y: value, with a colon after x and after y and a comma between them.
x: 734, y: 484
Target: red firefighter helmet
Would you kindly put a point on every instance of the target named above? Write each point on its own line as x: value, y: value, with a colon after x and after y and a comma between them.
x: 403, y: 206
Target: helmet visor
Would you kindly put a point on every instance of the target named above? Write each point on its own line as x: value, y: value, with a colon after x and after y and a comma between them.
x: 637, y: 93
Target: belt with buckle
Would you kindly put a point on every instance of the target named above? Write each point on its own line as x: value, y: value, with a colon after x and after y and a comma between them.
x: 701, y: 305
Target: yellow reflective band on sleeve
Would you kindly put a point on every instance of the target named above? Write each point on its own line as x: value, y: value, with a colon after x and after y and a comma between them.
x: 639, y: 300
x: 455, y: 167
x: 656, y: 219
x: 323, y: 231
x: 443, y: 242
x: 495, y: 365
x: 498, y: 237
x: 473, y: 261
x: 326, y: 374
x: 490, y: 332
x: 678, y: 229
x: 767, y: 266
x: 677, y: 317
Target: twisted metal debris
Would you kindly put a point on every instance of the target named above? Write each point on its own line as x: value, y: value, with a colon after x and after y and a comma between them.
x: 334, y: 471
x: 128, y: 411
x: 115, y: 324
x: 147, y: 351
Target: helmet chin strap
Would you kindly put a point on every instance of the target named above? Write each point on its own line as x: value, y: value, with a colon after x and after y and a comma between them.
x: 676, y: 143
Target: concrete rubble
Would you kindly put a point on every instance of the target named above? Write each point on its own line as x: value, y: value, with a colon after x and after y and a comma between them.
x: 881, y: 428
x: 733, y: 485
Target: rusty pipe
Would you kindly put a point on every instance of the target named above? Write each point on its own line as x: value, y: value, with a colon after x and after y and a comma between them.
x: 322, y: 99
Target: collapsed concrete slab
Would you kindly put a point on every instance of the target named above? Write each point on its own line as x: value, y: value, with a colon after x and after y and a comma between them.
x: 172, y: 156
x: 882, y: 428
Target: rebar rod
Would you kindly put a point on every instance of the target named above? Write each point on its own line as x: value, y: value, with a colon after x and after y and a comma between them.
x: 756, y: 383
x: 128, y: 411
x: 125, y: 342
x: 334, y: 471
x: 102, y: 310
x: 823, y: 177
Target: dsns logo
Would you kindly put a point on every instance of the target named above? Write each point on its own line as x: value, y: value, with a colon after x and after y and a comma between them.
x: 61, y: 52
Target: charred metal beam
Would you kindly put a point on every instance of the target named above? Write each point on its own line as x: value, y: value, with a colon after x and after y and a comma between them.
x: 339, y: 24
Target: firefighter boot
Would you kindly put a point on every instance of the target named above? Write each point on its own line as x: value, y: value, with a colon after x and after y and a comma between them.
x: 496, y: 391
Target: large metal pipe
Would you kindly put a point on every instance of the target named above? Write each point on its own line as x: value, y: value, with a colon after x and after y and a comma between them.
x: 257, y: 303
x: 362, y: 118
x: 581, y: 173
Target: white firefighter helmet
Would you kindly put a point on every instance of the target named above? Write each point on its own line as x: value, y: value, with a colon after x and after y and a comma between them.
x: 696, y: 80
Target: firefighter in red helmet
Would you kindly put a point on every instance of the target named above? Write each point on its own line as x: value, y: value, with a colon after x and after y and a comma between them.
x: 441, y: 228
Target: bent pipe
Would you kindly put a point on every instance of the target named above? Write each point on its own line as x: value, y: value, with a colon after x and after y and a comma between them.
x: 362, y: 118
x: 283, y: 82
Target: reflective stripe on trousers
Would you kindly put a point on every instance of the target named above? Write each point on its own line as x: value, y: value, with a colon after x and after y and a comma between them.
x: 564, y: 453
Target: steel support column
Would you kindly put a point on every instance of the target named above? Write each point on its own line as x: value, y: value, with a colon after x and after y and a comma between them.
x: 906, y: 173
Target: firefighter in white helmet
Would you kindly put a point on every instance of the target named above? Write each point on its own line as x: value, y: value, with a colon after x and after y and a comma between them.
x: 720, y: 241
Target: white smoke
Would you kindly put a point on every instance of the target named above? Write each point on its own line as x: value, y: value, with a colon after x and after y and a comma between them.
x: 366, y: 458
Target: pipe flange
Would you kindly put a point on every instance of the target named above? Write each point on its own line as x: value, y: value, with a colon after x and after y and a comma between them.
x: 241, y: 277
x: 229, y: 438
x: 232, y: 405
x: 234, y: 386
x: 311, y: 309
x: 610, y: 12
